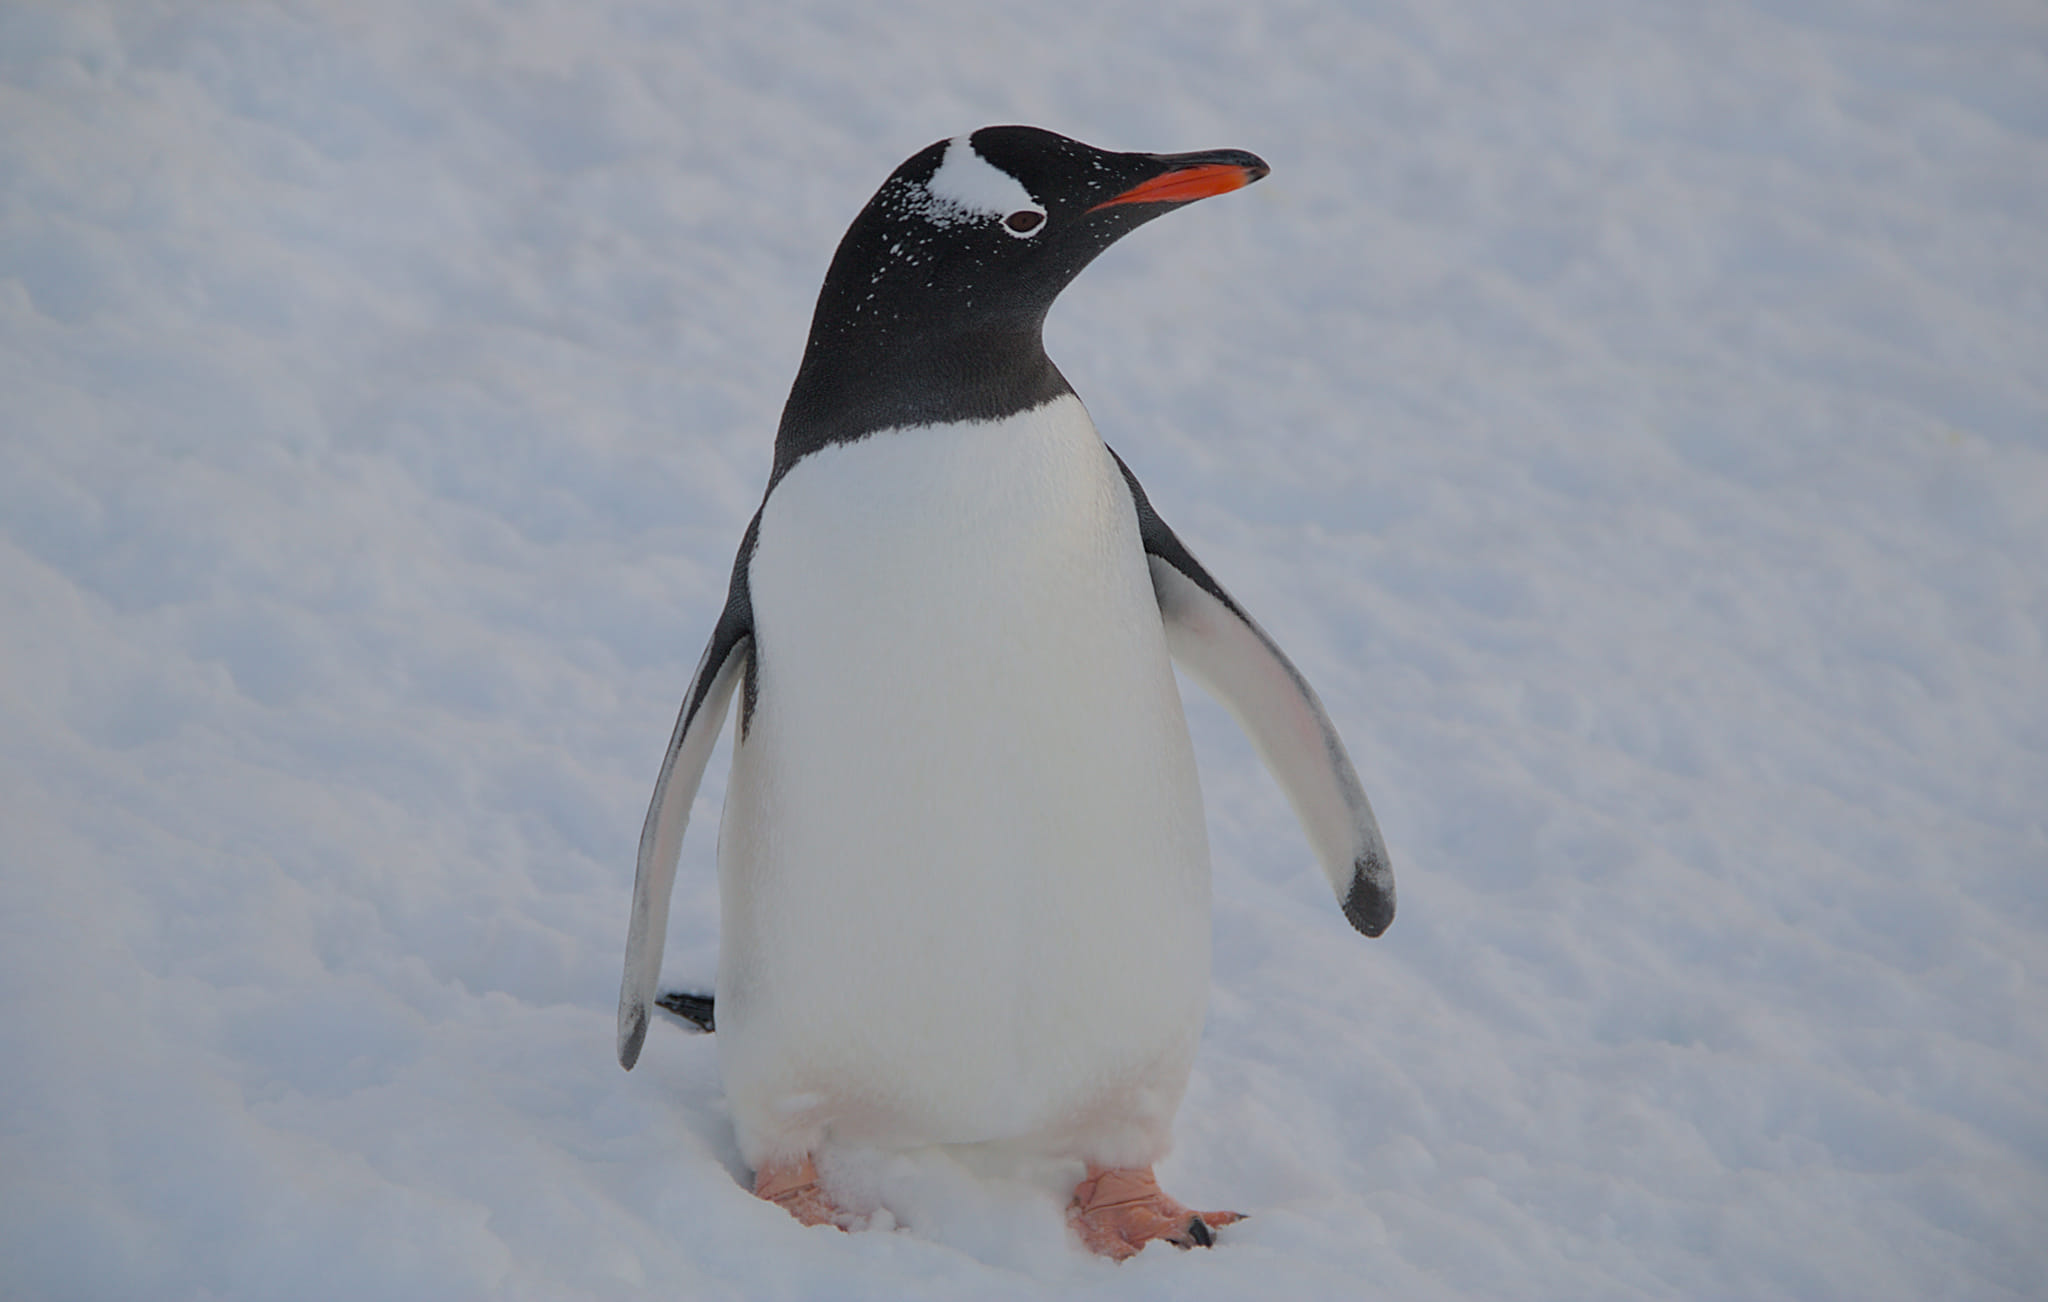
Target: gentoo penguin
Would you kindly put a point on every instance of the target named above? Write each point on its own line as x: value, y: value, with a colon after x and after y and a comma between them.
x: 963, y: 873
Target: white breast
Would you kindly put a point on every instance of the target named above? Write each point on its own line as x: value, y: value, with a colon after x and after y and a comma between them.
x: 963, y: 869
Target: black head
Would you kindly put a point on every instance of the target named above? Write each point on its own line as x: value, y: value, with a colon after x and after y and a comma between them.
x: 935, y: 303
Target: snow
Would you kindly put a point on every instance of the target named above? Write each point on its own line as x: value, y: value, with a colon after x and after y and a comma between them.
x: 1632, y: 417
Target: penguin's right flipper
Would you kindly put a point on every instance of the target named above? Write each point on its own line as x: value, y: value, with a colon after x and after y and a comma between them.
x: 661, y: 838
x: 1211, y: 636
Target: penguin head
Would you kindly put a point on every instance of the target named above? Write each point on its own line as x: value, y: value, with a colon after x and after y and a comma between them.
x: 982, y: 232
x: 934, y: 307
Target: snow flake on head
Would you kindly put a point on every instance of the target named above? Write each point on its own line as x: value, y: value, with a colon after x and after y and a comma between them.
x: 967, y: 187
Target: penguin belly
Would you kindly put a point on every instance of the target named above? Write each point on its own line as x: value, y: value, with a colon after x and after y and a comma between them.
x: 963, y: 872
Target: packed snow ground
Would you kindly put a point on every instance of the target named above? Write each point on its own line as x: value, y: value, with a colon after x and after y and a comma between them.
x: 1633, y: 417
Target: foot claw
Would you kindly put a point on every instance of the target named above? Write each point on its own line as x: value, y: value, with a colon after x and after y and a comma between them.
x: 1117, y: 1211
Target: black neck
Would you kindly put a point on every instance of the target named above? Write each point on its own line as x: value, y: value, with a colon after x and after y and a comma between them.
x: 868, y: 377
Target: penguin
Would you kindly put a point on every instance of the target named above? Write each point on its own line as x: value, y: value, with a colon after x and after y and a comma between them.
x: 963, y: 871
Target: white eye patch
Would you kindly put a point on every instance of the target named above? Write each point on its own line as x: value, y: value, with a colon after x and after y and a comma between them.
x: 968, y: 187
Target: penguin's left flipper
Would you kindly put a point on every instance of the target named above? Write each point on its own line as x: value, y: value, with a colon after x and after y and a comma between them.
x: 1223, y: 648
x: 668, y: 814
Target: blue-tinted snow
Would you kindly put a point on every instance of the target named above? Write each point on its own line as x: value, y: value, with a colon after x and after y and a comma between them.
x: 1633, y: 418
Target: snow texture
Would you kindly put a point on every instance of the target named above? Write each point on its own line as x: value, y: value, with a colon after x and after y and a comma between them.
x: 1632, y: 417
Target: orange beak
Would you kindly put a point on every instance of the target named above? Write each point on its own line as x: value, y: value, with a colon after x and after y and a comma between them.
x: 1186, y: 184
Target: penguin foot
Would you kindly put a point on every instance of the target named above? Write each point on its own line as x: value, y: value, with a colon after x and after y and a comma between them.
x: 1118, y: 1210
x: 793, y: 1186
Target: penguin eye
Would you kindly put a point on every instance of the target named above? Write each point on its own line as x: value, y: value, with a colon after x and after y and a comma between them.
x: 1024, y: 223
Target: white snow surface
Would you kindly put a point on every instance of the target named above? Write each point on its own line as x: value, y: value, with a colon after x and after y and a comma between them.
x: 1633, y: 418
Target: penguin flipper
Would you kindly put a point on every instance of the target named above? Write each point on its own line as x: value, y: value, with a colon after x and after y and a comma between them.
x: 1219, y: 645
x: 668, y: 814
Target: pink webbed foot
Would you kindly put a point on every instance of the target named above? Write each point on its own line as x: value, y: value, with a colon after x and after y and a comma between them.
x: 793, y: 1186
x: 1118, y: 1210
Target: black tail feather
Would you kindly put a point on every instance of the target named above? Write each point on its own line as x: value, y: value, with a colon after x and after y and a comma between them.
x: 694, y: 1009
